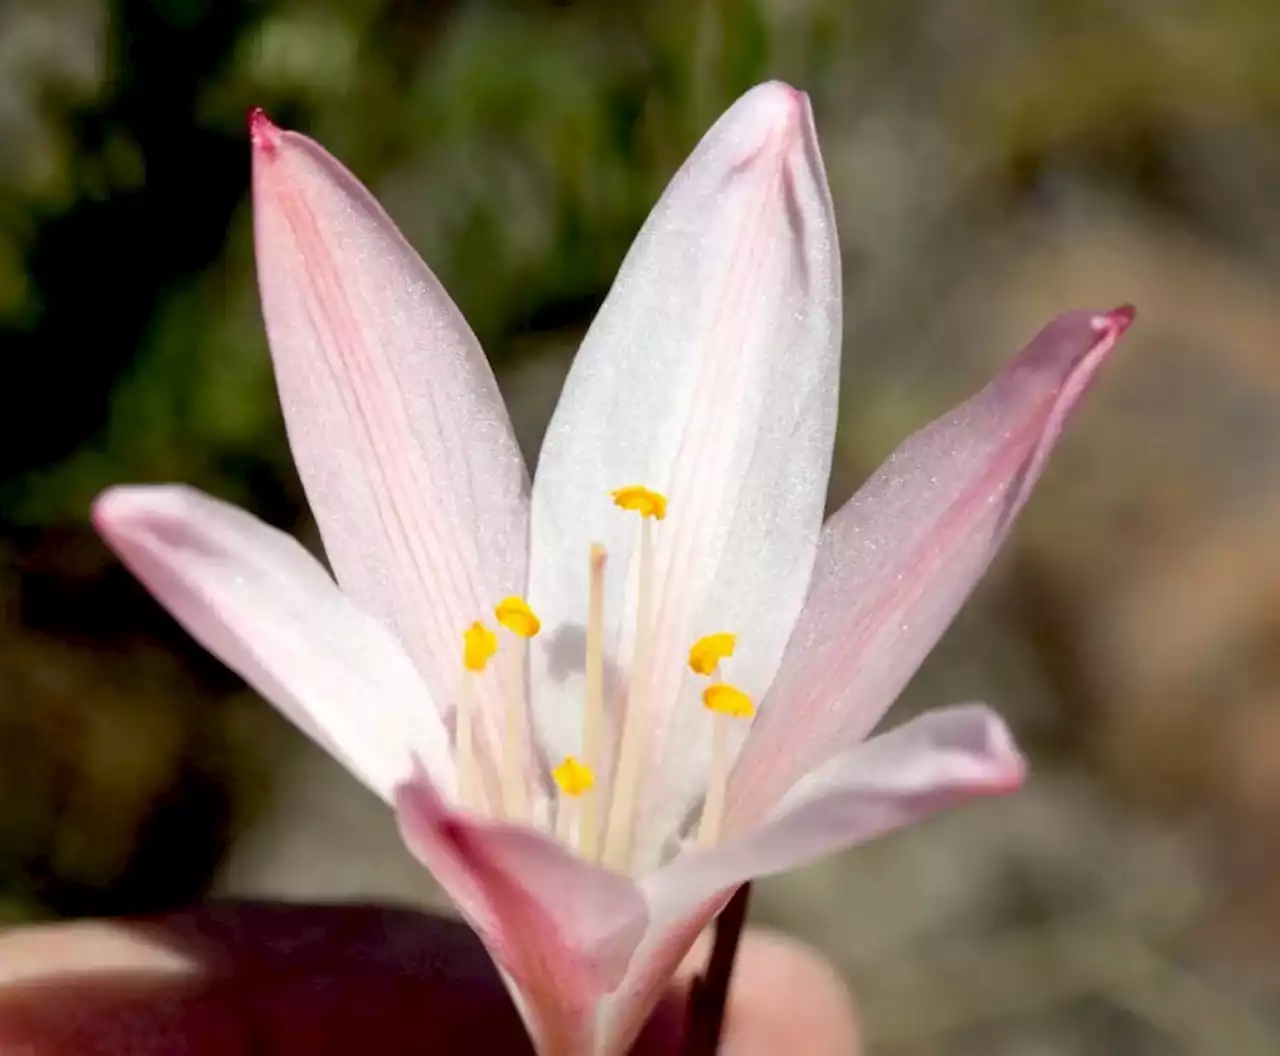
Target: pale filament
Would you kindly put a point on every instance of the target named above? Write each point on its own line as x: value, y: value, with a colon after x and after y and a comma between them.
x: 712, y: 820
x: 574, y: 781
x: 514, y: 794
x: 593, y: 708
x: 465, y: 748
x: 478, y: 646
x: 635, y: 729
x: 725, y: 703
x: 565, y: 811
x: 514, y: 614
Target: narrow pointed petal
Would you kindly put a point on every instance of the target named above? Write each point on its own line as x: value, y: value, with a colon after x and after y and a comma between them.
x: 396, y: 424
x: 562, y: 929
x: 900, y: 558
x: 267, y: 609
x: 930, y: 764
x: 710, y: 376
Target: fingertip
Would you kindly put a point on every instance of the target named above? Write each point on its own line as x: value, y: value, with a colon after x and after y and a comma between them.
x: 786, y: 998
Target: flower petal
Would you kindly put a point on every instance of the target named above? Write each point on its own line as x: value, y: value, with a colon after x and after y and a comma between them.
x: 710, y: 376
x: 397, y: 426
x: 666, y: 943
x: 259, y: 602
x: 900, y: 558
x: 926, y: 765
x: 930, y: 764
x: 561, y: 928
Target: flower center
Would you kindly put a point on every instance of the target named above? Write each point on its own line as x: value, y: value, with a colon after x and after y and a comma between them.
x: 595, y: 830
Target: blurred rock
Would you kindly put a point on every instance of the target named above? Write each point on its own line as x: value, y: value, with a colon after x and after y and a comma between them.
x: 323, y: 837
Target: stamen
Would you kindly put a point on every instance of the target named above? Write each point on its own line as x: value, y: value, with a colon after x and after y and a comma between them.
x: 478, y: 646
x: 635, y: 730
x: 574, y: 781
x: 641, y: 500
x: 707, y: 653
x: 728, y: 700
x: 515, y: 615
x: 593, y: 712
x: 573, y: 778
x: 726, y: 704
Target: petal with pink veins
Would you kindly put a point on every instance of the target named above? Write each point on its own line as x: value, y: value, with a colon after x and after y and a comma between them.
x: 561, y: 928
x: 396, y: 424
x: 898, y: 560
x: 927, y: 765
x: 709, y: 375
x: 253, y: 597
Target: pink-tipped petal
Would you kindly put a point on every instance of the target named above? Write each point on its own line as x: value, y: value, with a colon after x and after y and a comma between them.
x: 900, y: 558
x: 710, y: 376
x: 562, y: 929
x: 263, y: 132
x: 397, y: 427
x: 265, y: 607
x: 927, y: 765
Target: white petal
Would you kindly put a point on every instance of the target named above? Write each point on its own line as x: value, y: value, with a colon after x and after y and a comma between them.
x: 265, y: 607
x: 710, y: 375
x: 927, y: 765
x: 400, y: 435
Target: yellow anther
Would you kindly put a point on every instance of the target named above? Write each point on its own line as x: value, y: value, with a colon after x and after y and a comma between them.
x: 573, y: 778
x: 728, y: 700
x: 478, y: 646
x: 641, y: 500
x: 706, y: 653
x: 515, y: 615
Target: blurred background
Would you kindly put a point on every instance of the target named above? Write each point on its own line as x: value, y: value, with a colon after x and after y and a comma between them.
x: 992, y: 163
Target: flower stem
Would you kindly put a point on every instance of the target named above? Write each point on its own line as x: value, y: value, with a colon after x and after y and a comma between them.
x: 704, y: 1018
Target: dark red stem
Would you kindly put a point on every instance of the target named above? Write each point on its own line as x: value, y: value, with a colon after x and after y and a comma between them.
x: 709, y: 993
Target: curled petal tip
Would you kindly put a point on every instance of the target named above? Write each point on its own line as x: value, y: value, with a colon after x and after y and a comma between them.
x: 263, y: 132
x: 153, y: 510
x: 110, y: 507
x: 786, y: 100
x: 979, y: 735
x: 1004, y: 783
x: 1009, y: 765
x: 1017, y: 776
x: 1011, y: 775
x: 779, y: 112
x: 101, y: 506
x: 1116, y: 321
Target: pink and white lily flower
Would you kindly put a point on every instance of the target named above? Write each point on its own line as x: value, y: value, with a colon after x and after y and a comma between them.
x: 599, y: 706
